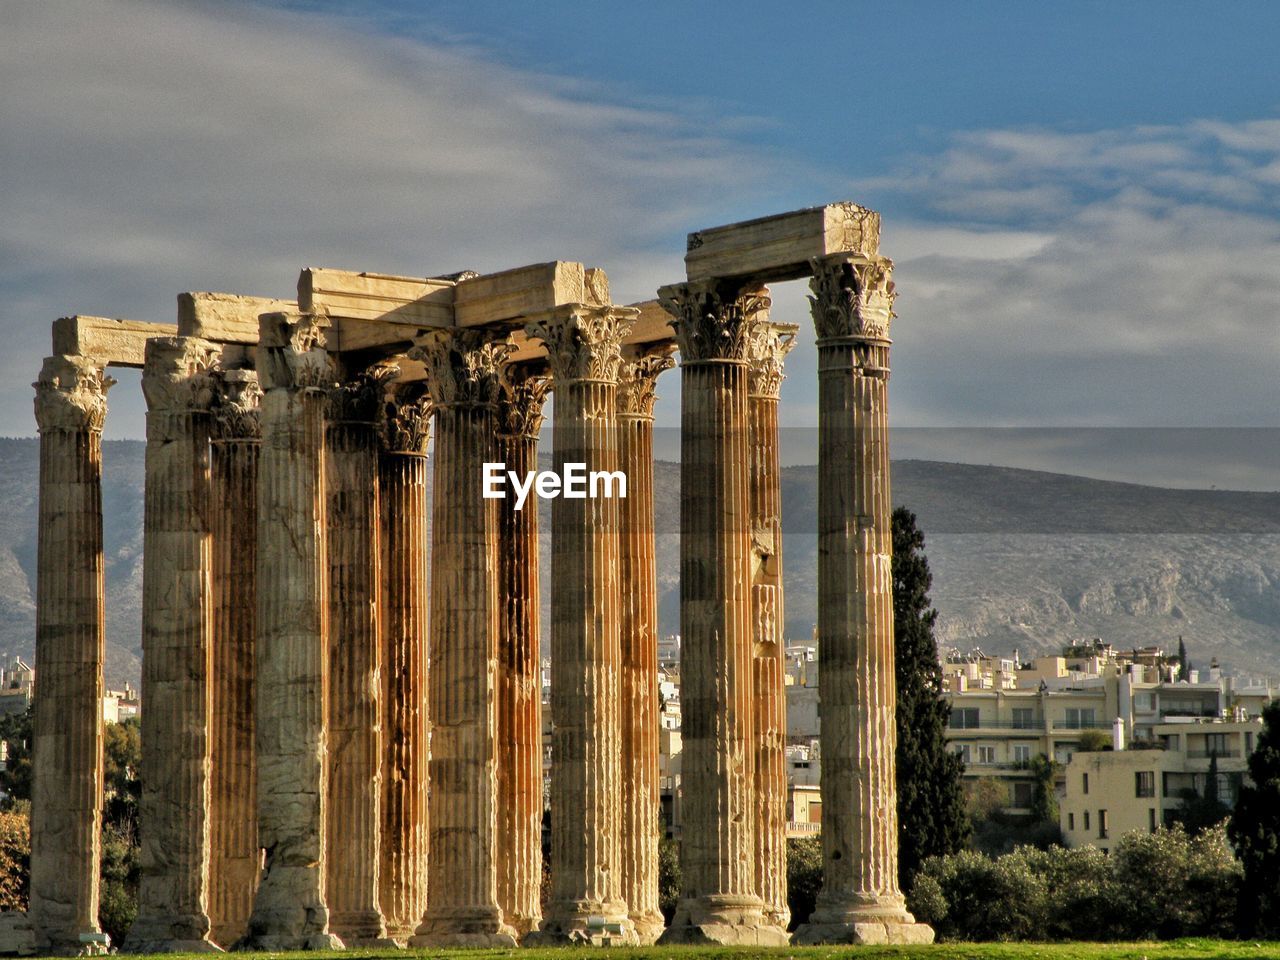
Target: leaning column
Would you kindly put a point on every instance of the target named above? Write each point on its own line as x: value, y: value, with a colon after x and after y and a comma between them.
x: 234, y: 858
x: 66, y: 789
x: 289, y: 910
x: 177, y: 625
x: 402, y: 478
x: 767, y: 346
x: 354, y: 742
x: 860, y: 901
x: 462, y: 906
x: 583, y: 348
x: 519, y: 691
x: 719, y: 903
x: 638, y: 621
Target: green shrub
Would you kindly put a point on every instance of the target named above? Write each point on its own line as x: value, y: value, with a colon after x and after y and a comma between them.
x: 804, y: 877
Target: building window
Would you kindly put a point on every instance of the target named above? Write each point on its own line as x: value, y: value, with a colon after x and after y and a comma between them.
x: 1151, y: 819
x: 1021, y: 753
x: 1079, y: 718
x: 1024, y: 718
x: 1086, y: 819
x: 1102, y: 824
x: 815, y: 813
x: 1215, y: 745
x: 986, y: 755
x: 1071, y: 821
x: 964, y: 718
x: 1085, y: 783
x: 1022, y: 794
x: 1144, y: 783
x: 963, y: 751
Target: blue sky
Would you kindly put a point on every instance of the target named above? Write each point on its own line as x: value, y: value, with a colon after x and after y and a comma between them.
x: 1083, y: 199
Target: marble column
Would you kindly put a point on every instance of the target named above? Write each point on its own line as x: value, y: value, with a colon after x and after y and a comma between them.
x: 583, y: 349
x: 860, y: 901
x: 519, y: 662
x: 767, y: 347
x: 234, y: 857
x: 289, y: 910
x: 719, y: 902
x: 66, y: 789
x: 638, y: 630
x: 462, y: 906
x: 402, y: 477
x: 354, y: 827
x: 177, y: 633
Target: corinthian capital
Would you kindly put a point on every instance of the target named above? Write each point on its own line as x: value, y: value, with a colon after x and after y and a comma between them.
x: 177, y: 374
x: 712, y: 320
x: 638, y: 379
x: 852, y: 297
x: 71, y: 394
x: 462, y: 366
x: 291, y: 351
x: 767, y: 347
x: 406, y: 421
x: 360, y: 399
x: 235, y: 405
x: 584, y: 342
x: 524, y: 392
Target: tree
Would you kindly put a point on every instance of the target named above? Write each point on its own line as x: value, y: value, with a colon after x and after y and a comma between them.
x: 1044, y: 795
x: 932, y: 819
x: 804, y: 877
x: 15, y: 731
x: 1202, y: 811
x: 1184, y: 665
x: 122, y: 761
x: 1254, y: 830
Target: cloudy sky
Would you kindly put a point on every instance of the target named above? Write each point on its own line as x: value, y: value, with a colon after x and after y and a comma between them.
x: 1083, y: 200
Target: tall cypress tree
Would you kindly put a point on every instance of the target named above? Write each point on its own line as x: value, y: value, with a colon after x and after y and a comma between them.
x: 1254, y: 829
x: 932, y: 820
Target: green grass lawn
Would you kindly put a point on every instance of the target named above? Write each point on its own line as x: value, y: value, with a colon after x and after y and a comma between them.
x: 1175, y: 950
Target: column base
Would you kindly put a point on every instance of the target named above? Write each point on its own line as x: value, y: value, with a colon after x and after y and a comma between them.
x: 363, y: 929
x: 279, y: 943
x: 648, y: 929
x: 731, y: 921
x: 863, y: 920
x: 464, y: 928
x: 583, y: 924
x: 168, y: 946
x: 170, y: 934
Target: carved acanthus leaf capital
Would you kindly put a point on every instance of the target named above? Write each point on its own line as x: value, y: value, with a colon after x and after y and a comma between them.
x: 524, y: 392
x: 852, y: 297
x: 462, y: 366
x: 406, y: 417
x: 360, y: 399
x: 235, y: 405
x: 638, y: 380
x: 767, y: 347
x: 711, y: 320
x: 291, y: 351
x: 177, y: 374
x: 583, y: 342
x: 71, y: 394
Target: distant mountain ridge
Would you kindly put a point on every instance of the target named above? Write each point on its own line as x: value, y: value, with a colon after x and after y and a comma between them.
x: 1021, y: 559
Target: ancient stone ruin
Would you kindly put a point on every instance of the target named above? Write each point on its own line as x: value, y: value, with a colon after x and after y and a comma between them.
x: 341, y: 746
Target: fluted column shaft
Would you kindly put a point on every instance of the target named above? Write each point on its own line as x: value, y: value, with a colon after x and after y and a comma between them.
x: 586, y: 761
x: 355, y: 710
x: 767, y: 346
x: 719, y: 902
x: 462, y: 908
x: 177, y: 632
x: 402, y: 470
x: 519, y: 664
x: 289, y: 910
x: 860, y: 900
x: 234, y: 857
x: 638, y: 622
x: 66, y: 790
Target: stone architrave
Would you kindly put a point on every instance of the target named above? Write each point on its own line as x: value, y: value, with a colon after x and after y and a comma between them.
x: 235, y: 859
x: 354, y: 830
x: 860, y: 902
x: 402, y: 477
x: 462, y: 906
x: 519, y: 690
x: 583, y: 349
x: 719, y: 902
x: 66, y: 789
x: 289, y: 910
x: 767, y: 347
x: 177, y: 635
x: 638, y: 621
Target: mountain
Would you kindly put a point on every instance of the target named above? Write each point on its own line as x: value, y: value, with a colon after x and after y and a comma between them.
x: 1021, y: 559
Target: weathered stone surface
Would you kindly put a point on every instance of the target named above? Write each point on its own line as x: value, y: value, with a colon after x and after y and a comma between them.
x: 768, y: 345
x: 177, y: 637
x: 289, y: 910
x: 70, y: 407
x: 121, y: 343
x: 519, y: 690
x: 522, y: 292
x: 719, y: 903
x: 225, y: 317
x: 235, y: 860
x: 852, y: 306
x: 462, y: 907
x: 638, y: 623
x: 18, y: 935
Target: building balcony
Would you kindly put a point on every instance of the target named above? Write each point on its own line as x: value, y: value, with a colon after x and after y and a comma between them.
x: 1227, y: 753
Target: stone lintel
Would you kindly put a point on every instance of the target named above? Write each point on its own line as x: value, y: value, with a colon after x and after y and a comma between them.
x: 225, y: 317
x: 117, y: 343
x: 777, y: 248
x: 525, y: 292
